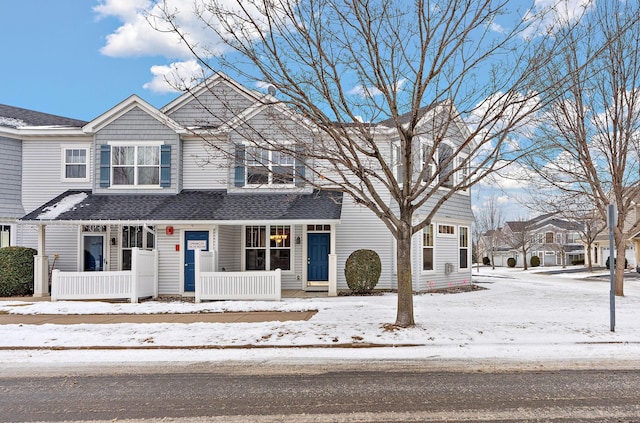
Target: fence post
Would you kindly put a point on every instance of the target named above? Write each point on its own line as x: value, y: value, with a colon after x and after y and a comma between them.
x: 134, y: 275
x: 55, y: 281
x: 278, y: 284
x: 196, y: 275
x: 156, y: 277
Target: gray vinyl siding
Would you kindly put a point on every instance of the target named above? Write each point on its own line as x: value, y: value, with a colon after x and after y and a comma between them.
x: 203, y: 167
x: 360, y: 228
x: 11, y: 177
x: 169, y: 261
x: 212, y: 108
x: 269, y: 125
x: 229, y: 248
x: 290, y: 278
x: 137, y: 125
x: 42, y: 171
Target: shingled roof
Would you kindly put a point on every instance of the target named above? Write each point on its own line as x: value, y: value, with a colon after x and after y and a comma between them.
x: 15, y: 117
x: 214, y: 205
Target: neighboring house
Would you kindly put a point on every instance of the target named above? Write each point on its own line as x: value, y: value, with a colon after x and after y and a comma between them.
x: 600, y: 247
x: 17, y: 125
x: 555, y: 241
x: 138, y: 179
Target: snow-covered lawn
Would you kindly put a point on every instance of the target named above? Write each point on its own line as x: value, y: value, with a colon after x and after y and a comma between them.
x: 520, y: 316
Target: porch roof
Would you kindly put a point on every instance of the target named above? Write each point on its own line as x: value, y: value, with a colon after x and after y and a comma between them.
x: 189, y: 206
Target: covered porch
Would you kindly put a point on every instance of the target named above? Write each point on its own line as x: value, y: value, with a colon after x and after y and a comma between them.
x: 256, y: 258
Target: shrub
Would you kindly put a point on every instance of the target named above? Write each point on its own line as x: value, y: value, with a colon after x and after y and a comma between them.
x: 362, y: 271
x: 486, y: 261
x: 16, y: 271
x: 626, y: 263
x: 535, y: 261
x: 577, y: 261
x: 511, y: 262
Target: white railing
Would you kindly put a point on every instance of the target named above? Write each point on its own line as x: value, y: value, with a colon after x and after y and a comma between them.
x: 141, y: 281
x: 252, y: 285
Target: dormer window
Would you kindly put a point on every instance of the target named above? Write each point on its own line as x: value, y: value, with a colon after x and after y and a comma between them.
x: 260, y: 167
x: 135, y: 165
x: 141, y: 164
x: 265, y: 167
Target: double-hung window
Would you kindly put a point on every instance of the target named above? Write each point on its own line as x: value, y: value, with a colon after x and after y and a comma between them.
x: 266, y: 167
x: 446, y: 165
x: 135, y: 165
x: 75, y: 164
x: 427, y: 161
x: 463, y: 245
x: 428, y: 246
x: 262, y: 253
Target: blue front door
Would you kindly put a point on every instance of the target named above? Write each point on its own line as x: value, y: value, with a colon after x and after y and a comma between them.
x: 193, y: 240
x: 318, y: 257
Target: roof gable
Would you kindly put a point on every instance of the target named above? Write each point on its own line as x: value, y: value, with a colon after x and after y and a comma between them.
x: 125, y: 106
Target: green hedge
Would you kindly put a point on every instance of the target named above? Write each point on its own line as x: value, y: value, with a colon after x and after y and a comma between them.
x: 511, y: 262
x: 16, y: 271
x: 535, y: 261
x: 362, y: 271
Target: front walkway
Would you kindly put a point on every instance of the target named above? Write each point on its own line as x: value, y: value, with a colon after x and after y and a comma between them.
x: 93, y: 319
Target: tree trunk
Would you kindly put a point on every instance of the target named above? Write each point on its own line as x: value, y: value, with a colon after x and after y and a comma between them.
x: 404, y: 317
x: 588, y: 257
x: 524, y: 258
x: 621, y: 248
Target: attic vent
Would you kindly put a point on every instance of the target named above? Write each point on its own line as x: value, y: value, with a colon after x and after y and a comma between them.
x: 272, y: 90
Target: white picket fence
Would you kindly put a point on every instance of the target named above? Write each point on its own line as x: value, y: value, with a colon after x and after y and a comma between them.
x: 139, y: 282
x: 251, y: 285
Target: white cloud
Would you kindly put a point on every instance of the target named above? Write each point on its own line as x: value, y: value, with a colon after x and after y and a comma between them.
x: 175, y: 77
x: 496, y: 28
x: 125, y: 10
x: 369, y: 92
x: 547, y: 16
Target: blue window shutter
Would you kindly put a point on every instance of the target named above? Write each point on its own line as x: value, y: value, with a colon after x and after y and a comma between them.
x: 105, y: 166
x: 165, y: 165
x: 300, y: 166
x: 239, y: 163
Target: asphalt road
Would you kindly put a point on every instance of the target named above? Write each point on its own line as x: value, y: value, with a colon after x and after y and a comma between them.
x: 390, y: 392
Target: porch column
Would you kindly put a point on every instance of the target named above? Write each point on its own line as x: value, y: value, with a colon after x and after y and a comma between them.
x: 41, y: 266
x: 333, y: 265
x: 333, y: 276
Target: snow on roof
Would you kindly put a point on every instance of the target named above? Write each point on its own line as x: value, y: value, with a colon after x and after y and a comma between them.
x: 12, y: 122
x: 64, y: 205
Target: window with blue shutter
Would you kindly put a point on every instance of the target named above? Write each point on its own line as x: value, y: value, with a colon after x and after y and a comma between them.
x: 165, y: 166
x: 239, y: 166
x: 300, y: 166
x: 105, y: 166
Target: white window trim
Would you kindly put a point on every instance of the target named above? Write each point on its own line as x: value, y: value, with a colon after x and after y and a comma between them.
x: 270, y: 183
x: 135, y: 144
x: 432, y: 165
x: 458, y: 175
x: 444, y: 235
x: 468, y: 247
x: 267, y: 248
x: 434, y: 248
x: 63, y: 162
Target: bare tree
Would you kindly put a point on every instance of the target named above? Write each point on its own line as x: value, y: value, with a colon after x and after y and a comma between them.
x: 423, y: 70
x: 519, y: 235
x: 490, y: 220
x: 590, y: 135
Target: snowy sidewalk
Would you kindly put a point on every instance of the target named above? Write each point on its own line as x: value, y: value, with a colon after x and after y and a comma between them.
x: 524, y: 316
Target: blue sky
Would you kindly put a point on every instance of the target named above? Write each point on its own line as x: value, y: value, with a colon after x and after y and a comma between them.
x: 78, y: 59
x: 53, y: 61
